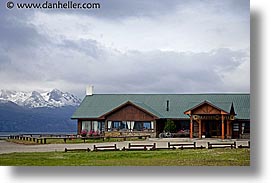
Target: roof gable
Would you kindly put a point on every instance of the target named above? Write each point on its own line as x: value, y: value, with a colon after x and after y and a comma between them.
x: 126, y: 104
x: 205, y: 108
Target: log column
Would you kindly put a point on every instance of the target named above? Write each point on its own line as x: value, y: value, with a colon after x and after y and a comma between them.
x: 106, y: 126
x: 191, y: 127
x: 199, y: 121
x: 155, y: 128
x: 79, y: 126
x: 222, y: 126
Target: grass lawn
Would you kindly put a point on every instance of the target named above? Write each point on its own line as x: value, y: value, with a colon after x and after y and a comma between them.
x: 188, y: 157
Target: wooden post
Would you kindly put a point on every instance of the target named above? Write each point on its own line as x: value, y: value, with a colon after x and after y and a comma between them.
x: 203, y: 127
x: 209, y: 145
x: 191, y: 127
x: 155, y: 128
x: 106, y: 126
x: 222, y: 126
x: 79, y: 126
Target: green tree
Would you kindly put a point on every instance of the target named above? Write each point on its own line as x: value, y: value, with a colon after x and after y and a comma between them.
x: 170, y: 126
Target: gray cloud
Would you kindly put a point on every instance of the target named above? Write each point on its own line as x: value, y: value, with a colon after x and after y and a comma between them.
x: 173, y: 72
x: 15, y: 32
x: 130, y: 72
x: 31, y: 59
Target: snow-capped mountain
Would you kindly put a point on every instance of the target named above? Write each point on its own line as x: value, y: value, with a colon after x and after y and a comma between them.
x: 35, y: 100
x: 54, y: 98
x: 13, y: 96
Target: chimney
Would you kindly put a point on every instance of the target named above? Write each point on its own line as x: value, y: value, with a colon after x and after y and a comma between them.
x: 89, y: 90
x: 167, y: 105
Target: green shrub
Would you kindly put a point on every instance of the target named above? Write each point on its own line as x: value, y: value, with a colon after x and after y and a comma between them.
x: 170, y: 126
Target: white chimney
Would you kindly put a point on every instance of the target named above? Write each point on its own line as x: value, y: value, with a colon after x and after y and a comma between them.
x: 89, y: 90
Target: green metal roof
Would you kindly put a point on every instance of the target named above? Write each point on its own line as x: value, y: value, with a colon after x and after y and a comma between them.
x: 147, y: 108
x: 97, y: 105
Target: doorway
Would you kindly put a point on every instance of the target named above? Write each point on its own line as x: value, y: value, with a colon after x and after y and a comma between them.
x: 212, y: 129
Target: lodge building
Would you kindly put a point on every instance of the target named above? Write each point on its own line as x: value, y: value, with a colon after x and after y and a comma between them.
x: 201, y: 115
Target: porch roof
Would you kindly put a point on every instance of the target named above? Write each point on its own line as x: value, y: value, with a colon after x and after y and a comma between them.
x: 221, y: 108
x: 97, y: 105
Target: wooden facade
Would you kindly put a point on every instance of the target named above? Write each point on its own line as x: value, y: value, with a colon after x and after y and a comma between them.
x: 129, y: 113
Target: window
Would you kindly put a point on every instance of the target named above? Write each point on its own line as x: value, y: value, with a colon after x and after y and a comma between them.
x: 116, y: 124
x: 142, y: 125
x: 101, y: 126
x: 147, y: 125
x: 95, y: 126
x: 123, y: 125
x: 129, y: 125
x: 138, y: 126
x: 86, y: 125
x: 120, y: 125
x: 246, y: 127
x: 236, y: 127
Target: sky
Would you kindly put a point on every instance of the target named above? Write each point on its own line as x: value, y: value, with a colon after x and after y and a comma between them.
x: 137, y: 46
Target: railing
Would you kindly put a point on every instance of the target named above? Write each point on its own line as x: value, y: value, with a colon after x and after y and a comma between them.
x: 4, y: 136
x: 170, y: 146
x: 42, y: 138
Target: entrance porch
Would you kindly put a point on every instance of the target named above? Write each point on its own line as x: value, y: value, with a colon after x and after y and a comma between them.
x: 211, y: 127
x: 208, y: 120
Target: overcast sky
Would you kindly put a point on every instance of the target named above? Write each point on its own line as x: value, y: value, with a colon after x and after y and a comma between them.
x: 138, y: 46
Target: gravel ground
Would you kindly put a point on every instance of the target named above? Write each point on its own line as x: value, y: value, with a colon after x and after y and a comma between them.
x: 9, y: 147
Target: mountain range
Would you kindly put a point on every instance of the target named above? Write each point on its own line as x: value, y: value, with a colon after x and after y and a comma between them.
x: 34, y: 111
x: 34, y: 99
